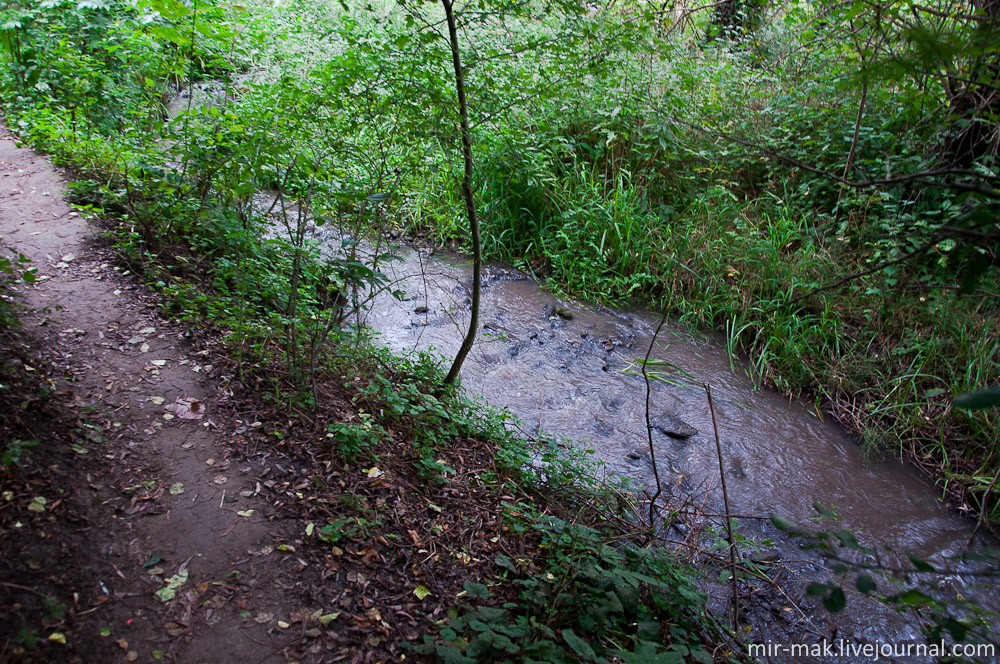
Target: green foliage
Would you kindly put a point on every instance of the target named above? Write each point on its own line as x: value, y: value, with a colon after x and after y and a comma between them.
x: 585, y: 601
x: 916, y: 590
x: 15, y: 451
x: 353, y: 439
x: 13, y: 268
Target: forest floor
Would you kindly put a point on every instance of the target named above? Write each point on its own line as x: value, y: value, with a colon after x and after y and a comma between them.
x: 159, y: 517
x: 135, y: 485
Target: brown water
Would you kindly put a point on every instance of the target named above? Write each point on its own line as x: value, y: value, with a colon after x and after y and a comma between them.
x: 577, y: 376
x: 580, y: 378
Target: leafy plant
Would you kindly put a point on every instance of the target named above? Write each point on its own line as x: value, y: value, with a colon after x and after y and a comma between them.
x: 15, y: 451
x: 585, y: 601
x: 353, y: 439
x: 916, y: 589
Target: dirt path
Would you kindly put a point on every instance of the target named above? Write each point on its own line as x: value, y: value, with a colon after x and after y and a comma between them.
x: 176, y: 560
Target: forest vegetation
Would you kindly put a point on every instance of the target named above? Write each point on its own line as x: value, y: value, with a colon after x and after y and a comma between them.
x: 817, y: 180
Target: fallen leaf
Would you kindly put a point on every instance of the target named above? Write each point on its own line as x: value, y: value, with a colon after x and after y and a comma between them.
x: 309, y: 529
x: 282, y: 624
x: 168, y: 592
x: 132, y: 656
x: 157, y: 401
x: 210, y: 462
x: 144, y: 348
x: 187, y: 408
x: 264, y: 617
x: 57, y: 637
x: 375, y: 473
x: 68, y: 258
x: 328, y: 618
x: 123, y: 644
x: 245, y: 513
x: 158, y: 363
x: 105, y: 631
x: 37, y: 504
x: 220, y: 479
x: 176, y: 489
x: 421, y: 592
x: 168, y: 416
x: 147, y: 330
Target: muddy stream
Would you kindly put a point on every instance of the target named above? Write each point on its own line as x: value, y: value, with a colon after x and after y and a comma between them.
x: 572, y: 371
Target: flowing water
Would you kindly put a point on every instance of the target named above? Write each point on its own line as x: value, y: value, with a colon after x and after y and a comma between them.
x: 573, y: 371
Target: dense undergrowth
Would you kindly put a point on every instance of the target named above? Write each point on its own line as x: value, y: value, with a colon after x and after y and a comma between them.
x: 620, y: 158
x: 182, y: 202
x: 625, y: 160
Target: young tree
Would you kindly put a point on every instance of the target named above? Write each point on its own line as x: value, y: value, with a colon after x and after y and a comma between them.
x: 470, y: 202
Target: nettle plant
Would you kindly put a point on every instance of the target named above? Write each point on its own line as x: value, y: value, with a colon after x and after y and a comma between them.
x: 584, y: 601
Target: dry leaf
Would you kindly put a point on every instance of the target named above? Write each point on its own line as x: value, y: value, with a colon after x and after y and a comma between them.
x: 187, y: 408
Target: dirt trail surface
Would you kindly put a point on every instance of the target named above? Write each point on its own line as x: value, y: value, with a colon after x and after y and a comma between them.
x: 149, y: 541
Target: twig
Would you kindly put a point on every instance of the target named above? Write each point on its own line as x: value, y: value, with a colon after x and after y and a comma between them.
x: 725, y: 501
x: 17, y: 586
x: 649, y: 425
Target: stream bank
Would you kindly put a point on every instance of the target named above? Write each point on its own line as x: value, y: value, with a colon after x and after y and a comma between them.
x: 573, y: 372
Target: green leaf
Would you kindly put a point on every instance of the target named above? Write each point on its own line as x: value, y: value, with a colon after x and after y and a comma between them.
x: 979, y: 400
x: 783, y: 524
x: 505, y: 562
x: 169, y: 591
x: 451, y: 655
x: 478, y: 590
x: 865, y: 584
x: 921, y: 565
x: 835, y: 601
x: 421, y: 592
x: 824, y: 512
x: 816, y: 589
x: 847, y: 539
x: 913, y: 597
x: 579, y: 646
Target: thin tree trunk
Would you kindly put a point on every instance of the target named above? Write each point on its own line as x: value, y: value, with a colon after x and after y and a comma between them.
x: 470, y: 203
